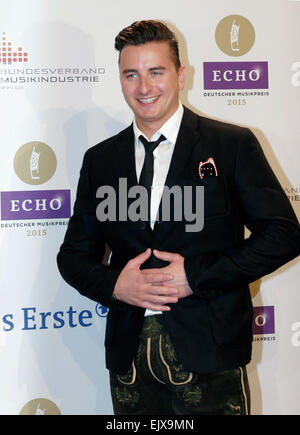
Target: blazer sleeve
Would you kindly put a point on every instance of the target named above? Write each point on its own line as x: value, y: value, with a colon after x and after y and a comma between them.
x: 80, y: 257
x: 266, y: 212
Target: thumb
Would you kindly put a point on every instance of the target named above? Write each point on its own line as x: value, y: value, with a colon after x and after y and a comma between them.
x: 164, y: 255
x: 141, y: 258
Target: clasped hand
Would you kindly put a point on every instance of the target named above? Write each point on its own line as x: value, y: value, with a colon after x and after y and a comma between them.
x: 153, y: 288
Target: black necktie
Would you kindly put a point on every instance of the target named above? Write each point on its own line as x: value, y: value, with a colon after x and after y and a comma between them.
x: 146, y: 176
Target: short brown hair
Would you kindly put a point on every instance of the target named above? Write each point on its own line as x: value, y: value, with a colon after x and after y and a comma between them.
x: 141, y: 32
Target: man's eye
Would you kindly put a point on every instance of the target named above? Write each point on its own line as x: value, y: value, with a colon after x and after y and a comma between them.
x: 131, y: 76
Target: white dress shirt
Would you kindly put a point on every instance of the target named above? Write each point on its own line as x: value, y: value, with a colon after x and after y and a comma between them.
x: 162, y: 159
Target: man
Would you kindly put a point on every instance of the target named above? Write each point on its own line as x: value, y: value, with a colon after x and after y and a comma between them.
x: 178, y: 332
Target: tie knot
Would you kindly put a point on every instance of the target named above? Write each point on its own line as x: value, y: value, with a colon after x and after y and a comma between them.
x: 150, y: 146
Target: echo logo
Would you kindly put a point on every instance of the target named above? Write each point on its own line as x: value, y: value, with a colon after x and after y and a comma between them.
x: 236, y: 75
x: 263, y: 320
x: 46, y: 204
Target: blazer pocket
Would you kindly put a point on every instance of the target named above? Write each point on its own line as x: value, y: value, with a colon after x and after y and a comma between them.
x: 216, y: 199
x: 230, y: 317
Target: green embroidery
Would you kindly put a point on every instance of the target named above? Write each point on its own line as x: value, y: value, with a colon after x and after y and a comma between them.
x: 192, y: 397
x: 127, y: 397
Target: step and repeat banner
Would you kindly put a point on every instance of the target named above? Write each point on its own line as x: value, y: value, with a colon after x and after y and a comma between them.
x: 60, y: 95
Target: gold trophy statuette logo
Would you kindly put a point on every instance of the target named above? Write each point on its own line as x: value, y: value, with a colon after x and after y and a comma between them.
x: 40, y: 407
x: 35, y: 162
x: 235, y: 35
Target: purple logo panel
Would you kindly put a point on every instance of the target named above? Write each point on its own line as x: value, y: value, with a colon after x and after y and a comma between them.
x: 263, y: 320
x: 235, y: 75
x: 36, y: 204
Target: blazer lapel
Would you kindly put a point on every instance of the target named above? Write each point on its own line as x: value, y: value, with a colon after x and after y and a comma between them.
x: 187, y: 137
x: 126, y: 157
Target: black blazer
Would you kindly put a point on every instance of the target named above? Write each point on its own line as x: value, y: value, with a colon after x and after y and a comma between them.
x: 212, y: 329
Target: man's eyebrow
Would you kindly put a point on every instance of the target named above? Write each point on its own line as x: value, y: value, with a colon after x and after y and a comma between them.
x: 128, y: 71
x: 154, y: 68
x: 157, y: 67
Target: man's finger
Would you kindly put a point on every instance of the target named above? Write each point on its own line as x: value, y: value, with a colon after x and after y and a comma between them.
x: 140, y: 259
x: 161, y: 290
x: 164, y: 255
x: 155, y: 275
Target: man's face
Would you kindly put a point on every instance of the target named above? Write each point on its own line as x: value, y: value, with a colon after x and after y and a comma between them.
x: 150, y: 83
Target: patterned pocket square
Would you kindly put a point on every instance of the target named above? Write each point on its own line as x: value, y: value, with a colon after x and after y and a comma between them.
x: 208, y: 168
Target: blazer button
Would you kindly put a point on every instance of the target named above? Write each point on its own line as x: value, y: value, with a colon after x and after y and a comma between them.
x: 142, y: 226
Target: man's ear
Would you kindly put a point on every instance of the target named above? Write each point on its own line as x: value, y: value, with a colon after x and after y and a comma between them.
x: 181, y: 77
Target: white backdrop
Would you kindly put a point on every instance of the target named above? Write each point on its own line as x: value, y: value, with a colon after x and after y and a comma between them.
x: 59, y: 95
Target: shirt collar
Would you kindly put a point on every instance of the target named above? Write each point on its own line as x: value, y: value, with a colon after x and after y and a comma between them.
x: 170, y: 128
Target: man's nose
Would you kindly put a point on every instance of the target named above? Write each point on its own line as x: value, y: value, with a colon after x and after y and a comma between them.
x: 144, y: 85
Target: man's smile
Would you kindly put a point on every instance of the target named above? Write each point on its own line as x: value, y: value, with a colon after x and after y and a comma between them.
x: 148, y: 100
